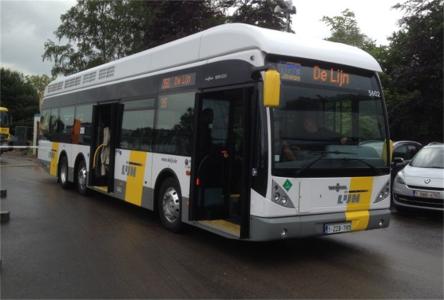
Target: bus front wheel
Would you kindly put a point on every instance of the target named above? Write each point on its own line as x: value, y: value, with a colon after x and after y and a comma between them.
x: 169, y: 205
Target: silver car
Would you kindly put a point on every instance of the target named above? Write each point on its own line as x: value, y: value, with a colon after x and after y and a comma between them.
x: 421, y: 183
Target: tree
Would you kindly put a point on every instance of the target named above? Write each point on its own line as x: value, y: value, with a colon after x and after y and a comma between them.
x: 176, y: 19
x: 99, y: 31
x: 19, y: 96
x: 260, y: 13
x: 39, y: 82
x: 414, y: 66
x: 345, y: 29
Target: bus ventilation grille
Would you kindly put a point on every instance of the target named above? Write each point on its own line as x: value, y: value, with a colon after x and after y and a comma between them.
x: 106, y: 73
x: 55, y: 87
x: 72, y: 82
x: 90, y: 77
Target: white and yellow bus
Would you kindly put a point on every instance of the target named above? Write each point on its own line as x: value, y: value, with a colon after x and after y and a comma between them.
x: 247, y: 132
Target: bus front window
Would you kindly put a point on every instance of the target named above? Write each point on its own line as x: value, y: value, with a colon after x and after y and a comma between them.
x: 320, y: 129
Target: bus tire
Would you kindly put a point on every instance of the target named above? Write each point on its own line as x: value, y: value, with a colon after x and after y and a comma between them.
x: 63, y: 172
x: 81, y: 178
x: 169, y: 205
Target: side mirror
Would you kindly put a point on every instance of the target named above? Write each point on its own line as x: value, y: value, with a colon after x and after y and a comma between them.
x: 272, y: 88
x: 398, y: 160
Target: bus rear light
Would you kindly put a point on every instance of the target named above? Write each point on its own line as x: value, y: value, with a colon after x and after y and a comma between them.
x: 197, y: 181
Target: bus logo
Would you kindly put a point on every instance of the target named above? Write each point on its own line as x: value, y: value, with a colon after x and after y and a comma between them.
x: 129, y: 170
x: 349, y: 198
x: 337, y: 187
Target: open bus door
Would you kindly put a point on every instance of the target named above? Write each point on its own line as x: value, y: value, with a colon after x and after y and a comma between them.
x: 221, y: 180
x: 105, y: 135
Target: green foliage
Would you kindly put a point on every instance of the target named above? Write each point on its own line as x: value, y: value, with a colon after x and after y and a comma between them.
x: 19, y: 96
x: 345, y: 29
x: 414, y: 66
x: 99, y: 31
x: 39, y: 82
x: 94, y: 32
x: 172, y: 20
x: 260, y: 13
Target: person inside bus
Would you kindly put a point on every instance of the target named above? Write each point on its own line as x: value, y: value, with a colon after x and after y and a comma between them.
x: 311, y: 131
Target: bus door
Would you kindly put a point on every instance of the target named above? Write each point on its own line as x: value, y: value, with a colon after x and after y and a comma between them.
x: 220, y: 177
x: 105, y: 134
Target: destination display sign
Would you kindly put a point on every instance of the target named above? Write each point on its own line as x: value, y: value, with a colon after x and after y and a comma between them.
x: 178, y: 81
x: 324, y: 75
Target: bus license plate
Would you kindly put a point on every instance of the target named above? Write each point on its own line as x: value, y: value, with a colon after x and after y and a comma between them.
x: 337, y: 228
x: 421, y: 194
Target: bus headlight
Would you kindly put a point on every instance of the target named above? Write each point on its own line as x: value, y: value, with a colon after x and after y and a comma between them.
x: 280, y: 197
x: 277, y: 197
x: 384, y: 193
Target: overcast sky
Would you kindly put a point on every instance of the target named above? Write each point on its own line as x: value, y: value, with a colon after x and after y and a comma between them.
x: 26, y: 25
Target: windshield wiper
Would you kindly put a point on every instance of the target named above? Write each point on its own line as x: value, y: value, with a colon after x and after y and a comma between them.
x: 374, y: 169
x: 319, y: 158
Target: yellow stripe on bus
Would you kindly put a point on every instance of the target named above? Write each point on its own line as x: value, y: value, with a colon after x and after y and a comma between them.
x: 54, y: 160
x: 134, y: 180
x: 358, y: 212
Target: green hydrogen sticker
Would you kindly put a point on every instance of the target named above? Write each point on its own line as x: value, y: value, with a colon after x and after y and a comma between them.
x: 287, y: 185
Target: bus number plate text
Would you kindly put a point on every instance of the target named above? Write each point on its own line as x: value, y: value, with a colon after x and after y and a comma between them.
x: 337, y: 228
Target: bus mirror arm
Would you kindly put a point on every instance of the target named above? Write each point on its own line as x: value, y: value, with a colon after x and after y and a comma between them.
x: 256, y: 71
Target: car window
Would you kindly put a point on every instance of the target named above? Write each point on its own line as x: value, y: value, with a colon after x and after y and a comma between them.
x: 411, y: 151
x: 429, y: 158
x: 401, y: 151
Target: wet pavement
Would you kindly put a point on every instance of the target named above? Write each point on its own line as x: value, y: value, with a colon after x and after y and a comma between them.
x: 60, y: 244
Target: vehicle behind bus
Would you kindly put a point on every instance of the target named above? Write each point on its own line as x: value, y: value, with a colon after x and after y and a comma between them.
x: 5, y: 133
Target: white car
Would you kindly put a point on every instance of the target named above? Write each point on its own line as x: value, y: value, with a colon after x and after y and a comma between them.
x: 421, y: 183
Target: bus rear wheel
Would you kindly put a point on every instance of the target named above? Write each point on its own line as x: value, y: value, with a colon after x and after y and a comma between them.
x: 63, y: 172
x: 81, y: 178
x: 169, y: 205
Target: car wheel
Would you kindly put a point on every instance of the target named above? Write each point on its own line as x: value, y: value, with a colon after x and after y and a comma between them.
x: 81, y: 178
x: 63, y: 172
x: 169, y: 205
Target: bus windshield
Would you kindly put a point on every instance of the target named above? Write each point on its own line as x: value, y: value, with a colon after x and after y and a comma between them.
x: 320, y: 129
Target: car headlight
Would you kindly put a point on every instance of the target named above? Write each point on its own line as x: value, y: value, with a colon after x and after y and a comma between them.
x: 400, y: 178
x: 384, y: 193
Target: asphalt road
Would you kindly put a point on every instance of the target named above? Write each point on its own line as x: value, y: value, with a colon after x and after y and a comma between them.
x: 60, y: 244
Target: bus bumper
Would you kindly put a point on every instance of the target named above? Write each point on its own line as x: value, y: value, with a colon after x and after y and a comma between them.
x: 264, y: 229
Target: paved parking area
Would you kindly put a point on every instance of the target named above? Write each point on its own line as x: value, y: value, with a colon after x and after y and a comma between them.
x: 60, y: 244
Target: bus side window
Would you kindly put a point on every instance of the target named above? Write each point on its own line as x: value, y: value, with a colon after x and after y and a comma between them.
x: 174, y: 124
x: 54, y: 124
x: 137, y: 125
x: 44, y: 124
x: 66, y: 124
x: 81, y: 133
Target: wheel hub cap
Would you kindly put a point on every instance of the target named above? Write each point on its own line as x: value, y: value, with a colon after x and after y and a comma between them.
x: 82, y: 177
x: 171, y: 205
